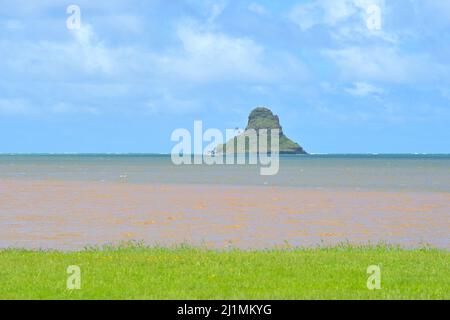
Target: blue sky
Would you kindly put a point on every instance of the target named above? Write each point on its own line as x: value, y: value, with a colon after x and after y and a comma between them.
x: 137, y: 70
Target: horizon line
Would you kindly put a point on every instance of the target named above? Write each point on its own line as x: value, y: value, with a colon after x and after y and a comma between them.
x: 168, y: 154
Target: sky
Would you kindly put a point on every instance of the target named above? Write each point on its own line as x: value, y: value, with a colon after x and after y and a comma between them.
x: 342, y: 76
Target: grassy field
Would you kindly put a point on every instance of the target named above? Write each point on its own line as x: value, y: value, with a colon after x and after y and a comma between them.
x: 136, y: 272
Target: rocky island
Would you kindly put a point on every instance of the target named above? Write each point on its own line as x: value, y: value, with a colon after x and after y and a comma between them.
x: 263, y: 118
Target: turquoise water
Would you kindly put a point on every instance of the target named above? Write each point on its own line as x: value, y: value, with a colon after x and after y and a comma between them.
x: 365, y: 172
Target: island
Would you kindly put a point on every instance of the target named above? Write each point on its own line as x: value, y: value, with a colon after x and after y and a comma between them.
x: 263, y: 118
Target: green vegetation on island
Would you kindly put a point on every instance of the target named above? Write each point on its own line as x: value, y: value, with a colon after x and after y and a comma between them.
x: 263, y: 118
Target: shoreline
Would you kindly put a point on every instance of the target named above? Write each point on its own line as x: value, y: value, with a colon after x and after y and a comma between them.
x: 137, y: 246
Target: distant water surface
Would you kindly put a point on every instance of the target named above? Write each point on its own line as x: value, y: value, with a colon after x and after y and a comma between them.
x: 365, y: 172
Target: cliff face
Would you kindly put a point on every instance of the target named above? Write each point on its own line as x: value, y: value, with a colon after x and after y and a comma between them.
x: 263, y: 118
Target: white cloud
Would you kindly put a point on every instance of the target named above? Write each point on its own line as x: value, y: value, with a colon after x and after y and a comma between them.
x: 67, y: 108
x: 358, y: 33
x: 82, y: 56
x: 203, y: 53
x: 93, y: 54
x: 385, y: 64
x: 328, y: 12
x: 345, y: 20
x: 257, y: 8
x: 12, y: 24
x: 19, y: 106
x: 213, y: 56
x: 361, y: 89
x: 168, y: 104
x: 305, y: 16
x: 15, y: 106
x: 216, y: 10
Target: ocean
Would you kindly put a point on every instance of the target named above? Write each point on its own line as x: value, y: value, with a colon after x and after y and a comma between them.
x: 70, y: 201
x: 355, y: 172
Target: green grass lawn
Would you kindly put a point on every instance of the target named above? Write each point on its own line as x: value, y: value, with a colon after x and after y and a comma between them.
x: 137, y: 272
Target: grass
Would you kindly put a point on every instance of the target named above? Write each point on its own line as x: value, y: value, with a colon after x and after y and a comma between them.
x: 139, y: 272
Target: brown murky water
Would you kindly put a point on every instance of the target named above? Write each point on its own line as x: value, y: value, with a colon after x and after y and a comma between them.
x: 70, y: 215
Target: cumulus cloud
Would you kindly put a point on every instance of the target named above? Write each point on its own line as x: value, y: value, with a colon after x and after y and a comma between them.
x: 200, y: 54
x: 328, y: 12
x: 126, y: 56
x: 216, y: 10
x: 12, y: 24
x: 15, y: 107
x: 169, y: 104
x: 257, y: 8
x: 210, y: 56
x: 67, y: 108
x: 84, y: 54
x: 305, y: 16
x: 345, y: 20
x: 215, y: 56
x: 361, y: 89
x: 23, y: 107
x: 94, y: 56
x: 386, y: 64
